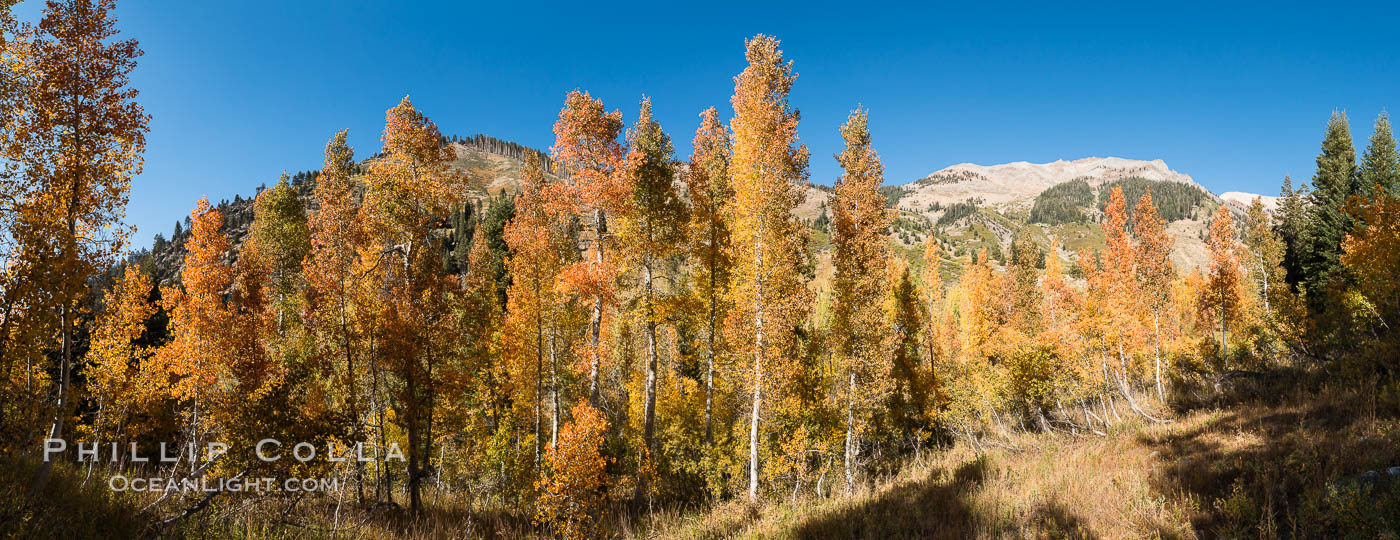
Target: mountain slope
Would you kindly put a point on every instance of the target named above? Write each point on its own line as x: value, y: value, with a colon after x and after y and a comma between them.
x: 971, y: 207
x: 1015, y: 185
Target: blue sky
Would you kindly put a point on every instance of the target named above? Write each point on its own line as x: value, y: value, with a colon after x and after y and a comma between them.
x: 1236, y: 96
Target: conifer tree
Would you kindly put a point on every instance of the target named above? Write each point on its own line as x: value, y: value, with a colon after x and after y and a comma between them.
x: 1328, y: 221
x: 1291, y: 222
x: 768, y: 297
x: 1380, y: 166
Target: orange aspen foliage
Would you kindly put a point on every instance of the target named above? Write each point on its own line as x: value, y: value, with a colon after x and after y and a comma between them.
x: 532, y: 303
x: 770, y: 301
x: 1113, y: 292
x: 572, y: 495
x: 595, y: 187
x: 201, y: 333
x: 332, y: 280
x: 859, y: 330
x: 1154, y: 272
x: 407, y: 191
x: 1221, y: 299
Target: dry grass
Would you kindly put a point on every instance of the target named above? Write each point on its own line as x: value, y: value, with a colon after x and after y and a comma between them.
x: 1054, y: 486
x: 1283, y: 467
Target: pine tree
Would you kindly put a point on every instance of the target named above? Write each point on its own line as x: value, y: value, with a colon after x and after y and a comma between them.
x: 1292, y: 226
x: 1380, y: 166
x: 769, y: 299
x: 1333, y: 184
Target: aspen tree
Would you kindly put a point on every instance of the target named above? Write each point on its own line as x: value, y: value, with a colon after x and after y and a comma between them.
x: 859, y: 329
x: 710, y: 194
x: 769, y: 299
x: 595, y: 187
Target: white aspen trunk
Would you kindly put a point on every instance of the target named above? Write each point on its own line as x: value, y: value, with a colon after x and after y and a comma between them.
x: 710, y: 362
x: 553, y: 394
x: 850, y: 428
x: 757, y: 364
x: 595, y: 323
x: 649, y: 405
x: 1157, y: 345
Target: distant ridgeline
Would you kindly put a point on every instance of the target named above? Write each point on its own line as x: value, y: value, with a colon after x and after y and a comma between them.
x: 1074, y: 201
x: 513, y: 150
x: 165, y: 258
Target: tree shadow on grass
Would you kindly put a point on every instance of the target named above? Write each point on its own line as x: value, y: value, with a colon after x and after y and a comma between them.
x: 934, y: 507
x: 1274, y: 467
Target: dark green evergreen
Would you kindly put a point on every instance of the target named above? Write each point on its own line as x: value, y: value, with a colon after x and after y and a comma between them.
x: 1335, y: 181
x: 1381, y: 164
x: 1063, y: 203
x: 1291, y: 222
x: 493, y: 225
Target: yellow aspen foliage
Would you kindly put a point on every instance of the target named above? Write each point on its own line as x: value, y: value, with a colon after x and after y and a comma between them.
x: 118, y: 371
x: 769, y: 299
x: 652, y: 229
x: 1372, y: 255
x: 710, y: 195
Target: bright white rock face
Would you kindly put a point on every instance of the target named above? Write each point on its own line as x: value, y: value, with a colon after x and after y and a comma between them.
x: 1014, y: 186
